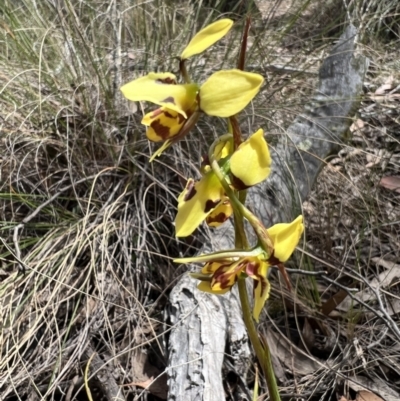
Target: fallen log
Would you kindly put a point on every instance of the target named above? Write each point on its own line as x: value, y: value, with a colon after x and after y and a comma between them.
x: 206, y: 327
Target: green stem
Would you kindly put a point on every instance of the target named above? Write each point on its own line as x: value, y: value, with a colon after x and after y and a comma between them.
x: 241, y: 212
x: 240, y: 233
x: 262, y: 352
x: 183, y: 70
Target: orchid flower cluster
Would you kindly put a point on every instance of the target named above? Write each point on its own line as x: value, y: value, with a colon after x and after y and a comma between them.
x: 230, y: 168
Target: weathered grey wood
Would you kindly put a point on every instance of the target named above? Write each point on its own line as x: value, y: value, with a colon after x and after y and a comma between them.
x: 204, y: 324
x: 314, y: 134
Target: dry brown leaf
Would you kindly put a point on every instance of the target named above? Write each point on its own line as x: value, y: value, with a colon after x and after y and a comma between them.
x: 147, y: 376
x: 290, y: 355
x: 391, y: 182
x: 145, y: 384
x: 387, y: 86
x: 383, y: 89
x: 361, y: 383
x: 335, y: 300
x: 357, y: 125
x: 367, y: 396
x: 308, y: 334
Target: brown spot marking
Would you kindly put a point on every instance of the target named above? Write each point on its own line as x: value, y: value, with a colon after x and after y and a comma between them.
x: 252, y: 268
x: 211, y: 205
x: 181, y: 118
x: 262, y: 283
x: 224, y: 281
x: 198, y: 99
x: 223, y: 278
x: 209, y: 267
x: 167, y: 114
x: 237, y: 183
x: 190, y: 191
x: 219, y: 218
x: 166, y: 81
x: 273, y: 261
x: 168, y: 99
x: 161, y: 130
x: 205, y: 161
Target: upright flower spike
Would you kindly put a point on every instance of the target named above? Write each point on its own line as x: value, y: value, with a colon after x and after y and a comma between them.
x: 206, y: 199
x: 207, y: 37
x: 222, y: 270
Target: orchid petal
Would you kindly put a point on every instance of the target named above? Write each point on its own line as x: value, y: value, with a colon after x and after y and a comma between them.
x: 161, y: 89
x: 226, y: 275
x: 161, y: 149
x: 196, y: 202
x: 285, y: 237
x: 220, y: 214
x: 223, y: 149
x: 251, y: 162
x: 227, y: 92
x: 163, y: 124
x: 206, y: 287
x: 262, y: 289
x: 207, y: 37
x: 213, y: 266
x: 257, y: 269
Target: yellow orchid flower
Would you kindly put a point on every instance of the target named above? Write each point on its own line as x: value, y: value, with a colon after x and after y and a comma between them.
x: 177, y: 103
x: 222, y: 276
x: 197, y: 201
x: 206, y: 199
x: 207, y: 37
x: 224, y: 94
x: 225, y: 274
x: 285, y: 237
x: 223, y: 269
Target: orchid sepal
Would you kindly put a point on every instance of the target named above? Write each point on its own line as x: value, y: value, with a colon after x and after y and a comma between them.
x: 207, y: 37
x: 228, y: 255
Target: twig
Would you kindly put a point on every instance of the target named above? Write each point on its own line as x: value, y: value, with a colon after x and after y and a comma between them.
x: 379, y: 340
x: 302, y: 272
